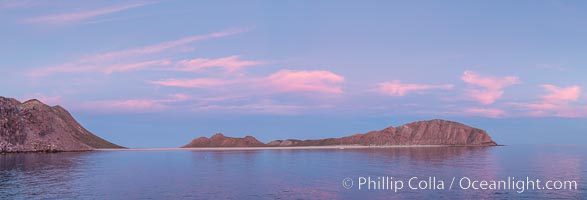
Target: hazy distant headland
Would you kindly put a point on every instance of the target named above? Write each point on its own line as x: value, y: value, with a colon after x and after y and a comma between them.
x: 33, y: 126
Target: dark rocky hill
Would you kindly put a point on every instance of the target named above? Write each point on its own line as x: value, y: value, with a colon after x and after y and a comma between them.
x: 33, y: 126
x: 432, y: 132
x: 219, y: 140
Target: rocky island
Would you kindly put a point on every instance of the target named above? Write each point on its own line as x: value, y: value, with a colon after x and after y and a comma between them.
x: 33, y: 126
x: 219, y: 140
x: 432, y: 132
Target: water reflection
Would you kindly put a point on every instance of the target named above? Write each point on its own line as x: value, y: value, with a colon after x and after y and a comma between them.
x: 279, y: 174
x: 555, y: 164
x: 427, y: 155
x: 35, y: 175
x: 296, y: 173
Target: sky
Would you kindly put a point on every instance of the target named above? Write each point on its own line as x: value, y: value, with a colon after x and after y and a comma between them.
x: 161, y: 73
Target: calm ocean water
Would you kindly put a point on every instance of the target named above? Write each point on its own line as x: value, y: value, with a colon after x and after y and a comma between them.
x: 290, y: 174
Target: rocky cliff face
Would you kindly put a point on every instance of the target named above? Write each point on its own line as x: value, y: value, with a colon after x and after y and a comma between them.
x: 35, y: 127
x: 432, y: 132
x: 219, y: 140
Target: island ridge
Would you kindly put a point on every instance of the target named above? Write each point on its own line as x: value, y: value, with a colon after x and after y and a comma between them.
x: 431, y: 132
x: 33, y: 126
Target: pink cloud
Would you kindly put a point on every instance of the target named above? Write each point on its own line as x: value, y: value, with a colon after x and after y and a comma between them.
x: 67, y: 18
x: 194, y: 83
x: 396, y: 88
x: 284, y: 81
x: 561, y: 95
x: 485, y: 112
x: 489, y: 88
x: 485, y: 96
x: 557, y: 102
x: 304, y: 81
x: 230, y: 64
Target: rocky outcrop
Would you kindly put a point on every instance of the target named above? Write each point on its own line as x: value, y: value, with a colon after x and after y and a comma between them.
x: 219, y: 140
x: 432, y: 132
x: 35, y: 127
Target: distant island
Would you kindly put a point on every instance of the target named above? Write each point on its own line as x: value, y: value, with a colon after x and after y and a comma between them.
x: 33, y: 126
x: 432, y: 132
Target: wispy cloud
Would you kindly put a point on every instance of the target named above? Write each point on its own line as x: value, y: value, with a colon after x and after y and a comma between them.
x: 396, y: 88
x: 156, y: 48
x: 262, y: 105
x: 559, y: 95
x: 229, y: 64
x: 208, y: 83
x: 283, y: 81
x: 253, y: 108
x: 135, y: 66
x: 131, y: 105
x: 485, y: 112
x: 76, y: 17
x: 557, y: 102
x: 489, y: 89
x: 98, y: 67
x: 123, y: 106
x: 179, y: 101
x: 260, y: 91
x: 315, y: 81
x: 140, y: 57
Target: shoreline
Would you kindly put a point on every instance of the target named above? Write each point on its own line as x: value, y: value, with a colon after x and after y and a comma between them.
x: 342, y: 147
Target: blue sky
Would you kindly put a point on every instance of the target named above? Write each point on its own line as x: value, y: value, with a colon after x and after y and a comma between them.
x: 160, y: 73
